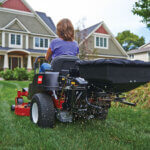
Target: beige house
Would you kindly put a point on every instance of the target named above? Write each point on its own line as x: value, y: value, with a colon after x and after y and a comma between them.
x: 24, y: 34
x: 142, y: 53
x: 99, y: 42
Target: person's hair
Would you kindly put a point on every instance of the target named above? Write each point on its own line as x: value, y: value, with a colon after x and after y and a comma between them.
x: 65, y: 30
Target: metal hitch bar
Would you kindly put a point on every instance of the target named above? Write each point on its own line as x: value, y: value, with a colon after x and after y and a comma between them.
x: 122, y: 100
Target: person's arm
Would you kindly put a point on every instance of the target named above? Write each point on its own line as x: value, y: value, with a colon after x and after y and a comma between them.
x: 48, y: 54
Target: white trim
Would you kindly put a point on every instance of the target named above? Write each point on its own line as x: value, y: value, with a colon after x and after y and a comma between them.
x: 18, y: 50
x: 34, y: 14
x: 109, y: 56
x: 3, y: 39
x: 144, y: 45
x: 114, y: 39
x: 90, y: 33
x: 34, y: 34
x: 101, y: 47
x: 27, y: 41
x: 39, y: 18
x: 15, y: 45
x: 46, y: 26
x: 40, y: 48
x: 19, y: 23
x: 102, y: 35
x: 13, y: 11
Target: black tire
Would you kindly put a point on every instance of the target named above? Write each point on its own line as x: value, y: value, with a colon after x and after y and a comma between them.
x: 12, y: 108
x: 45, y: 109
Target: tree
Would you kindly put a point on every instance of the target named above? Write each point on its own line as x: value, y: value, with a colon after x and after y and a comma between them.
x: 142, y: 9
x: 81, y: 33
x: 129, y: 40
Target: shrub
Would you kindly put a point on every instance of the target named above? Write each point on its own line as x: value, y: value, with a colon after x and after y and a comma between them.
x: 1, y: 73
x: 7, y: 75
x: 30, y: 75
x: 20, y: 74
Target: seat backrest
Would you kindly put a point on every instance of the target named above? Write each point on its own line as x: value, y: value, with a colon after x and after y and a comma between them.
x: 63, y: 63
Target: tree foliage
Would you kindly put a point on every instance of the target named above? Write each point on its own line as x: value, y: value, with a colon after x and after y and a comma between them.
x: 129, y: 40
x: 142, y: 9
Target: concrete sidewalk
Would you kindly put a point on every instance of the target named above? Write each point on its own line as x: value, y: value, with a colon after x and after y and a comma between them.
x: 1, y: 79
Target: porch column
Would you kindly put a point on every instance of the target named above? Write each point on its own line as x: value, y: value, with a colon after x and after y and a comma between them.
x: 3, y: 39
x: 27, y: 41
x: 5, y: 62
x: 29, y: 65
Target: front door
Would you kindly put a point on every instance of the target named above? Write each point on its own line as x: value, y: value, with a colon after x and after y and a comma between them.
x: 14, y: 62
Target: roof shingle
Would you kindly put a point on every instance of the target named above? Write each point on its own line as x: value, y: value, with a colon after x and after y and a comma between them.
x: 47, y: 20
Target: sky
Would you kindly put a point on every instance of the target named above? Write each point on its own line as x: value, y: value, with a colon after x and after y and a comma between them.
x: 84, y: 13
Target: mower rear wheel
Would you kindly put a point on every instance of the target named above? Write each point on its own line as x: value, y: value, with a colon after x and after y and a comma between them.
x: 42, y: 110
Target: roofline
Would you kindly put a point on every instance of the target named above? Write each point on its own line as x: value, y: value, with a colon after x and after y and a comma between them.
x: 40, y: 19
x: 18, y: 50
x: 90, y: 34
x: 35, y: 34
x: 34, y: 14
x: 21, y: 25
x: 110, y: 56
x: 144, y: 45
x: 16, y: 11
x: 113, y: 37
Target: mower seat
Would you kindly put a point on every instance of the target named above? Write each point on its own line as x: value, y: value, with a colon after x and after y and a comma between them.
x: 63, y: 64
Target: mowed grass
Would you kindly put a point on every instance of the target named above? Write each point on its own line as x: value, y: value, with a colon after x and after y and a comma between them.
x: 125, y: 129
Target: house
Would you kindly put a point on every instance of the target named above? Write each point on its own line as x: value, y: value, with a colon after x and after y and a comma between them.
x: 142, y: 53
x: 24, y: 34
x: 99, y: 42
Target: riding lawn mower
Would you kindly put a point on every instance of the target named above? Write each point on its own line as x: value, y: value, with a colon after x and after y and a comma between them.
x: 74, y: 88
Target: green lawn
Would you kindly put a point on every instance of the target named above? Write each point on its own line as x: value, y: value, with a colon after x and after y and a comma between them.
x: 125, y: 129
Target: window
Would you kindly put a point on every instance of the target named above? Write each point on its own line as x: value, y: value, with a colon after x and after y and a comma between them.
x: 15, y: 40
x: 101, y: 42
x: 131, y: 56
x: 41, y: 43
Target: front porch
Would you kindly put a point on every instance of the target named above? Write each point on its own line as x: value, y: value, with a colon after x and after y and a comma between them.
x: 22, y: 59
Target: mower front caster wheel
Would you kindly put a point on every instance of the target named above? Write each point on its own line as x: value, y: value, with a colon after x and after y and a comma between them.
x: 12, y: 108
x: 42, y: 110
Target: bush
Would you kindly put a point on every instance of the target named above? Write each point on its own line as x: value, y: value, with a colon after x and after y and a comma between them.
x: 30, y: 75
x: 20, y: 74
x: 7, y: 75
x: 1, y: 73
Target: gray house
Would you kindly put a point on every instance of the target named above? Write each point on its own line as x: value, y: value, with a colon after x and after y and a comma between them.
x: 24, y: 34
x: 99, y: 42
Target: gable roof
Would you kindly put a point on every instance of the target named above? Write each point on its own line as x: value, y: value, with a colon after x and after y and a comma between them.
x: 20, y: 5
x: 84, y: 33
x: 18, y: 22
x: 142, y: 49
x: 44, y: 20
x: 47, y: 20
